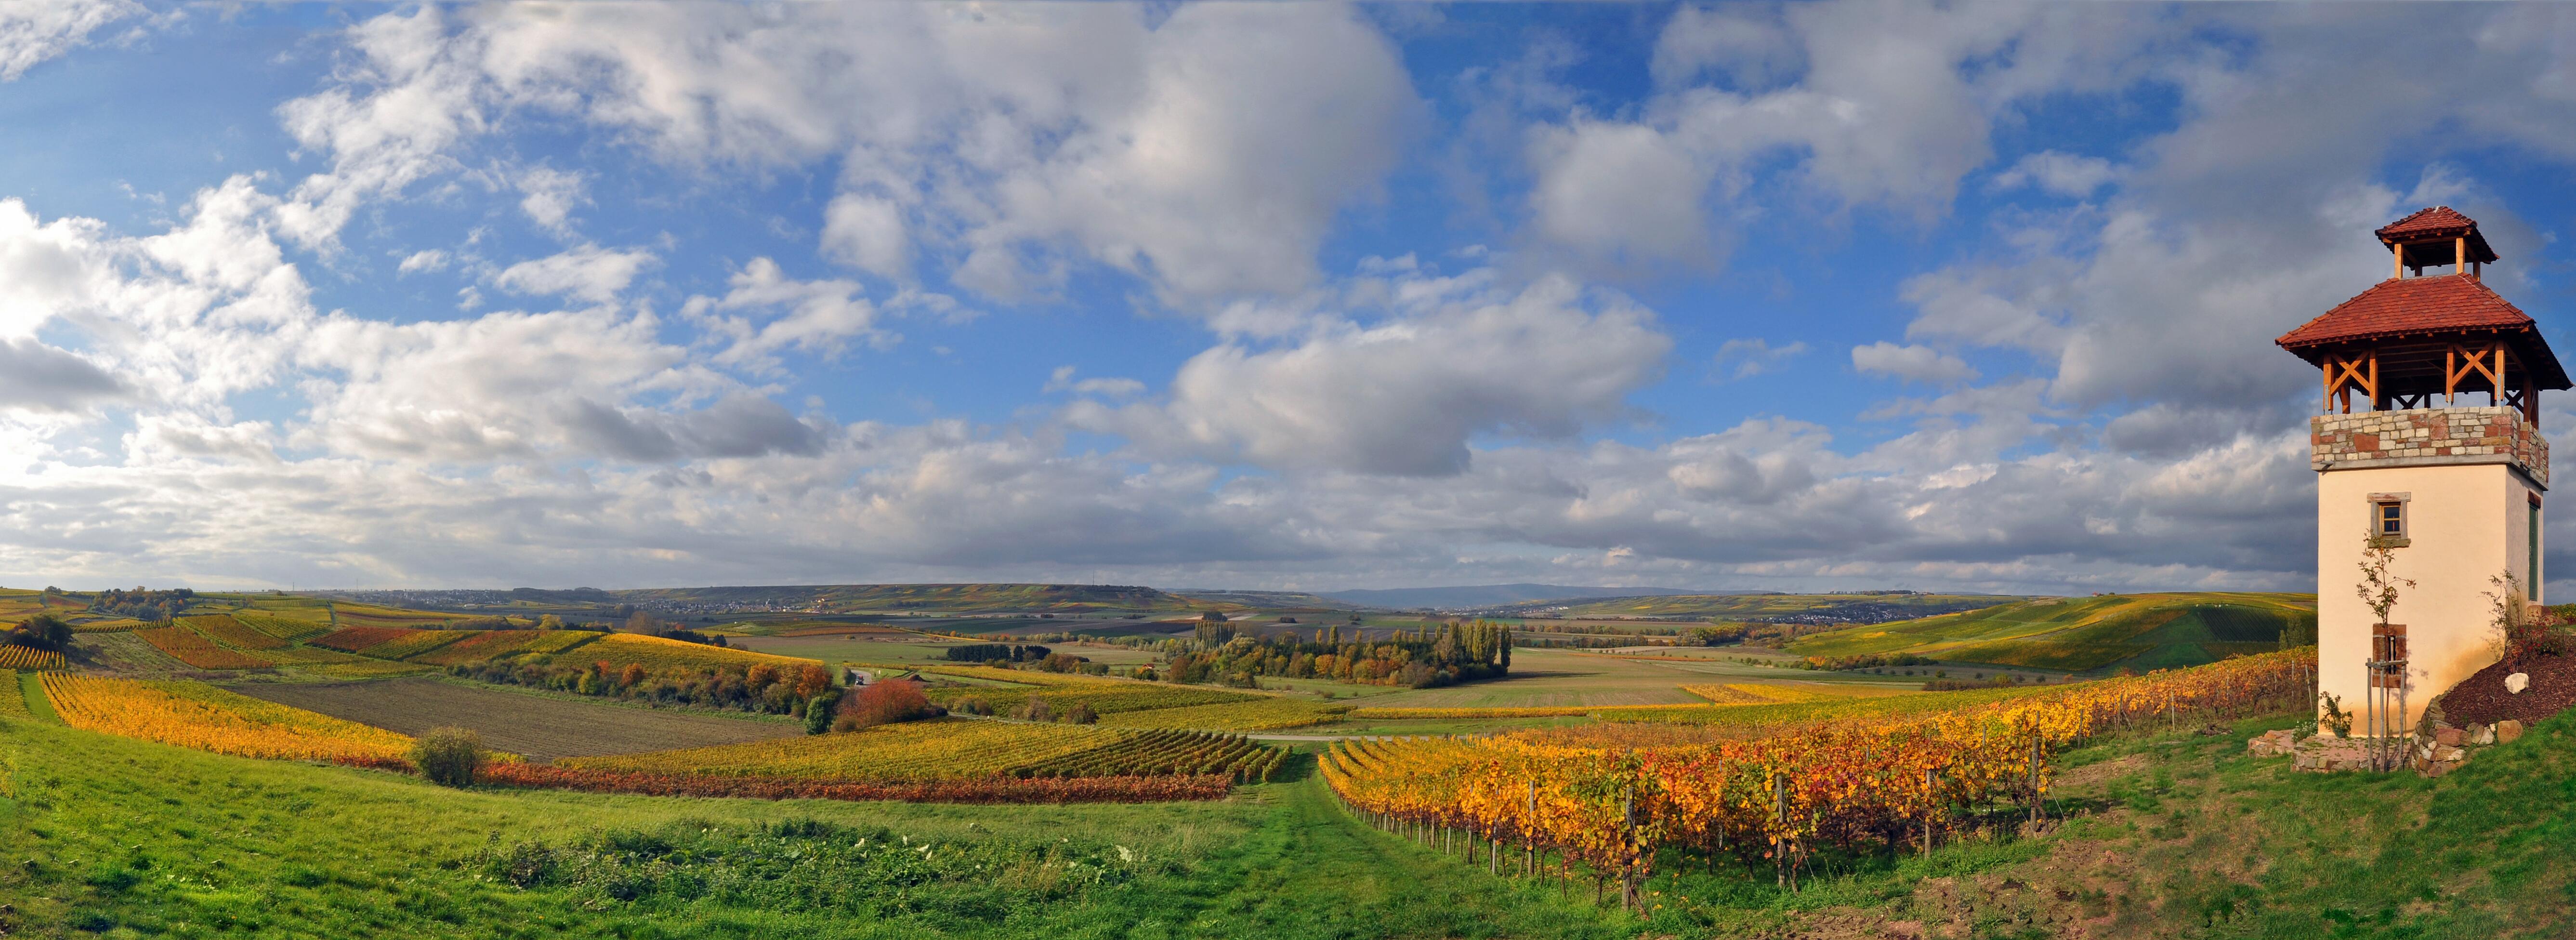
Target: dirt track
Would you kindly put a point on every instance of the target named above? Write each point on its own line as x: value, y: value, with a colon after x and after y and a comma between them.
x: 533, y: 725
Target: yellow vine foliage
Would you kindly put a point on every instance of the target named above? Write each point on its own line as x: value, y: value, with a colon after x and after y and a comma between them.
x: 1608, y: 795
x: 193, y: 714
x: 20, y: 657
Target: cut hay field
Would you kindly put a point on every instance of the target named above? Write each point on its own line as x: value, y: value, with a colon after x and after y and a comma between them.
x: 536, y: 726
x: 2139, y: 631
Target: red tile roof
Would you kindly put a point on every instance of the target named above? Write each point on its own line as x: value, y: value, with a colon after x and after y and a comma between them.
x: 2415, y: 305
x: 2426, y: 223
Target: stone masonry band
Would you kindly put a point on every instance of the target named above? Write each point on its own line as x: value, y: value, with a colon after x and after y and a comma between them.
x: 2420, y: 436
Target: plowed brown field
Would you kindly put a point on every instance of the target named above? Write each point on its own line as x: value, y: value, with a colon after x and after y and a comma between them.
x: 533, y: 725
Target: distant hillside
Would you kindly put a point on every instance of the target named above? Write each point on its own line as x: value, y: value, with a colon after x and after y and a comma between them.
x: 1488, y: 595
x: 942, y: 598
x: 1267, y: 600
x: 1809, y: 608
x: 2140, y: 631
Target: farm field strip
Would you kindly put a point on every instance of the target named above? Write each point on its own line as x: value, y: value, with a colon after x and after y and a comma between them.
x: 1753, y: 693
x: 936, y: 749
x: 289, y: 629
x: 416, y: 643
x: 361, y: 639
x: 359, y: 667
x: 13, y: 702
x: 109, y: 625
x: 1104, y: 698
x: 477, y: 647
x: 20, y: 657
x: 233, y: 633
x: 1265, y: 714
x: 196, y: 715
x: 190, y: 647
x: 533, y: 725
x: 656, y: 654
x: 956, y: 749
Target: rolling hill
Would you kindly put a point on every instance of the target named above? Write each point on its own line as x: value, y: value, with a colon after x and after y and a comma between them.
x: 1487, y: 595
x: 2079, y: 634
x: 1861, y: 608
x: 946, y: 598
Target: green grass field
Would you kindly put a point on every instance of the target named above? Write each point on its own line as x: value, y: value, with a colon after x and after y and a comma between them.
x: 2152, y: 835
x: 125, y: 838
x: 2080, y: 634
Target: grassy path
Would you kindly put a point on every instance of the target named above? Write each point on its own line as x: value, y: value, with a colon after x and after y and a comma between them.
x: 1311, y: 870
x: 32, y: 688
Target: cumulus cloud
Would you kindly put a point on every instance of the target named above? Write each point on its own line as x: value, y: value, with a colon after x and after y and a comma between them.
x: 1746, y: 358
x: 589, y: 273
x: 1397, y: 425
x: 1877, y: 105
x: 31, y: 33
x: 551, y: 195
x: 38, y: 377
x: 1406, y: 395
x: 2064, y: 174
x: 816, y: 316
x: 430, y: 259
x: 1206, y: 150
x: 1911, y: 363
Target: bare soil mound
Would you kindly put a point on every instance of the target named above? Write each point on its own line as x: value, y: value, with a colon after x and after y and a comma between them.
x: 2482, y: 698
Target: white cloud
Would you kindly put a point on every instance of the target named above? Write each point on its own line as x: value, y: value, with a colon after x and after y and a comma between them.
x: 589, y: 273
x: 551, y: 195
x: 1207, y: 150
x: 1911, y: 363
x: 38, y: 377
x: 1406, y: 396
x: 867, y: 233
x: 430, y: 259
x: 32, y: 32
x: 815, y: 316
x: 1746, y: 358
x: 1888, y: 106
x: 1062, y: 380
x: 1622, y: 193
x: 2064, y: 174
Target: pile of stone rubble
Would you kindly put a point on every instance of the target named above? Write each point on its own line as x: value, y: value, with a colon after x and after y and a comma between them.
x: 2432, y: 753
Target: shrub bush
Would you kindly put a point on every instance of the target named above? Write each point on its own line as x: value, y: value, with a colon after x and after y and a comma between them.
x: 42, y: 631
x: 1035, y: 710
x: 449, y: 757
x: 818, y: 711
x: 884, y: 703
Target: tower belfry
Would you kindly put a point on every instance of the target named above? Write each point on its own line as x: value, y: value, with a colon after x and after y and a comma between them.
x: 2429, y: 444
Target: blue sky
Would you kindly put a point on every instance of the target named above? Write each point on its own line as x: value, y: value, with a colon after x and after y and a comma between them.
x: 1298, y: 297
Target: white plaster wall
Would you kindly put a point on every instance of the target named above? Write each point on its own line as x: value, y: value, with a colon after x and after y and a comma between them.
x: 2465, y: 524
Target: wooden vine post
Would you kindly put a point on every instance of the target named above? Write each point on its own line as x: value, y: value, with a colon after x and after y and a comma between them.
x: 1529, y: 837
x: 1628, y: 851
x: 1927, y: 812
x: 2034, y: 778
x: 1780, y: 829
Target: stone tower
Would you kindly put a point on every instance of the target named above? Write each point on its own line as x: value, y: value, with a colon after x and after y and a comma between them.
x: 2454, y: 486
